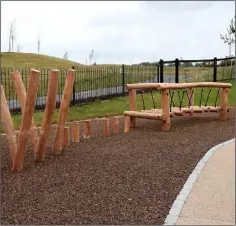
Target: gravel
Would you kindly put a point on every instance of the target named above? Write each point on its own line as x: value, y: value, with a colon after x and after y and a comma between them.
x: 123, y: 179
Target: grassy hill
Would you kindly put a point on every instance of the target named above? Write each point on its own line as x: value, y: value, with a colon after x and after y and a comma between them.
x: 32, y: 60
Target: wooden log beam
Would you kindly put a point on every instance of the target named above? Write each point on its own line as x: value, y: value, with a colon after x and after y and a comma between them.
x: 21, y: 95
x: 165, y: 110
x: 48, y: 115
x: 132, y: 106
x: 115, y: 125
x: 141, y: 86
x: 87, y: 129
x: 65, y: 102
x: 193, y: 85
x: 146, y: 115
x: 106, y: 127
x: 224, y: 103
x: 66, y: 136
x: 75, y: 132
x: 26, y: 119
x: 8, y: 126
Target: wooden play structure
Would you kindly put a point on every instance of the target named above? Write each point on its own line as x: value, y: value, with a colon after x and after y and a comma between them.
x: 64, y: 134
x: 167, y: 111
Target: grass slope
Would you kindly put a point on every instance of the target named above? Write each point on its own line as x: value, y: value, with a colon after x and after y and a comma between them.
x: 32, y: 60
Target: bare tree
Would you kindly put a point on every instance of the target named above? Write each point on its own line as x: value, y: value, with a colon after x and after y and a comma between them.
x: 65, y: 55
x: 18, y: 48
x: 91, y: 57
x: 38, y: 43
x: 229, y: 37
x: 12, y: 36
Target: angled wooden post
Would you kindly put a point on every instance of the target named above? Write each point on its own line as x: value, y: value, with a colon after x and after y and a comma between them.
x: 26, y: 119
x: 132, y: 106
x: 8, y: 126
x: 21, y: 95
x: 126, y: 124
x: 165, y: 110
x: 65, y: 102
x: 224, y: 103
x: 48, y: 115
x: 75, y: 132
x: 115, y: 125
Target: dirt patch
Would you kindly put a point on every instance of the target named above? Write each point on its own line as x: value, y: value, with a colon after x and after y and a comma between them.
x: 123, y: 179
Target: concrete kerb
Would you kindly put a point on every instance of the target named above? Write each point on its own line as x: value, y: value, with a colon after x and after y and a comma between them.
x: 178, y: 204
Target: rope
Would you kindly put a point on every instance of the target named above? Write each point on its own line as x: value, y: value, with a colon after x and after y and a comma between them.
x: 142, y: 99
x: 207, y: 97
x: 189, y: 98
x: 217, y: 96
x: 200, y: 104
x: 171, y: 99
x: 180, y: 101
x: 153, y: 100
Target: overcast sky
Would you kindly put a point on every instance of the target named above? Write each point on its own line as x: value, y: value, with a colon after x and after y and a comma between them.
x: 120, y: 32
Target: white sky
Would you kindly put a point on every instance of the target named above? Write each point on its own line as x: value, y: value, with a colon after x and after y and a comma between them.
x: 120, y: 32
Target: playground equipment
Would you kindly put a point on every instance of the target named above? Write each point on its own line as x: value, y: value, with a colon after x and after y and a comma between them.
x: 28, y: 130
x: 167, y: 110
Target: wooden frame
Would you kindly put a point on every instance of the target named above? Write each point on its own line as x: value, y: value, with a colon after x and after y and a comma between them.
x: 164, y: 113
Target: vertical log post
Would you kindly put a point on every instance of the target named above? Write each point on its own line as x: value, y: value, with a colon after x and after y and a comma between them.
x: 115, y: 125
x: 8, y: 126
x: 106, y: 127
x: 48, y: 115
x: 26, y: 119
x: 165, y: 110
x: 75, y: 132
x: 66, y: 136
x: 65, y: 102
x: 127, y: 124
x: 132, y: 106
x: 21, y: 95
x: 87, y: 129
x: 224, y: 103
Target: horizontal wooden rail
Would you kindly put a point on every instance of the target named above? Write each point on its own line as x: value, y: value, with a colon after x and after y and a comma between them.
x: 178, y: 85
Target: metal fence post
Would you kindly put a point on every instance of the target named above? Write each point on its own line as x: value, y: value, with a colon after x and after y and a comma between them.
x: 123, y: 79
x: 158, y: 75
x: 215, y: 70
x: 73, y: 97
x: 161, y: 63
x: 176, y: 70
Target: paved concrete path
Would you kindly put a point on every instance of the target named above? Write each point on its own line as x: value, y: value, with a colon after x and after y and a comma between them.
x: 212, y: 198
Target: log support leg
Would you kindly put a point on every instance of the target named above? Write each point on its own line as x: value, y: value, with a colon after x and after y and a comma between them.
x: 165, y: 110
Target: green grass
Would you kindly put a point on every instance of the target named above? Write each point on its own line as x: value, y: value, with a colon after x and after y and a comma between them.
x: 117, y: 106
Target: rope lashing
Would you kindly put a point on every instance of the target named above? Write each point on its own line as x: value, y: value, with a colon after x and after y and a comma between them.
x: 181, y: 99
x: 142, y: 99
x: 200, y: 104
x: 217, y: 96
x: 189, y: 98
x: 171, y: 99
x: 154, y: 105
x: 207, y: 97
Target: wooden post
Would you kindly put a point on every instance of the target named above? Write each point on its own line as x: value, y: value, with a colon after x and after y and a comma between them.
x: 115, y: 125
x: 48, y: 115
x: 26, y: 119
x: 106, y: 127
x: 8, y: 126
x: 66, y: 136
x: 224, y: 103
x: 65, y: 102
x: 21, y: 94
x: 127, y: 124
x: 87, y: 129
x: 165, y: 110
x: 132, y: 106
x: 75, y: 132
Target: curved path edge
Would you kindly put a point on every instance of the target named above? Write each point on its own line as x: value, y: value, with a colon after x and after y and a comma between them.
x: 178, y: 204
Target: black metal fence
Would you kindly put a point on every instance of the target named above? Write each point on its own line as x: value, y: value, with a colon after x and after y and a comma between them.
x: 96, y: 82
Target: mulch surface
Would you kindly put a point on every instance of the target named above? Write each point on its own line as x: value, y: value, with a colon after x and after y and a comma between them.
x: 123, y: 179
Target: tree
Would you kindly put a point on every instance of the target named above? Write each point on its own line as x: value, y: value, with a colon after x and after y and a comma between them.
x: 229, y: 37
x: 18, y: 48
x: 12, y: 36
x: 65, y: 55
x: 38, y: 43
x: 91, y: 57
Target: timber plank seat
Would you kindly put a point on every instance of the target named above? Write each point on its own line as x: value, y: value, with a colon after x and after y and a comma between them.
x: 166, y: 111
